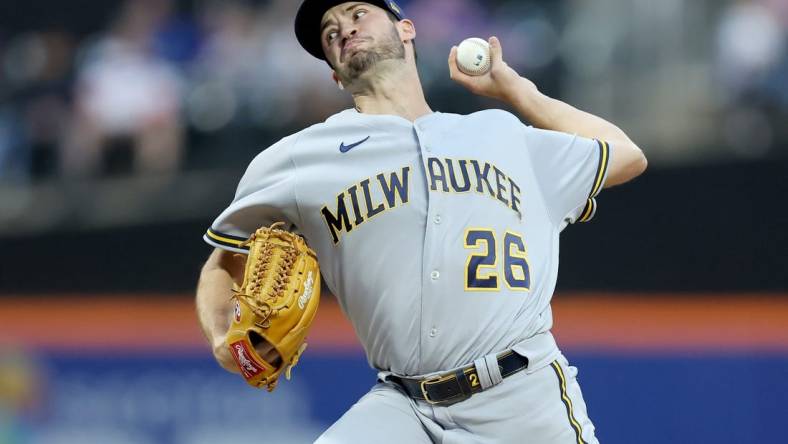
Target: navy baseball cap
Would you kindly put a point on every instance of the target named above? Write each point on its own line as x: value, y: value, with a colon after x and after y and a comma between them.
x: 307, y: 22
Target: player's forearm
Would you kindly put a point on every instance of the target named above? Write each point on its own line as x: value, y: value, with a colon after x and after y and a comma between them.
x: 552, y: 114
x: 627, y: 162
x: 213, y: 302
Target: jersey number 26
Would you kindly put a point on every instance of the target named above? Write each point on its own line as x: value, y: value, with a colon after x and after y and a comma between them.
x: 481, y: 270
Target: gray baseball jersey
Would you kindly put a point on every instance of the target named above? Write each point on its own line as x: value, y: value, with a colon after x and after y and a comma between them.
x: 439, y: 237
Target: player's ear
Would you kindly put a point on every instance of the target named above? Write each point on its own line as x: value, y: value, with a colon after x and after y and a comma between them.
x: 336, y: 80
x: 407, y: 30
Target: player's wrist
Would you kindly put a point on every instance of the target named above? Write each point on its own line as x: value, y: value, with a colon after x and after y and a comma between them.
x: 521, y: 93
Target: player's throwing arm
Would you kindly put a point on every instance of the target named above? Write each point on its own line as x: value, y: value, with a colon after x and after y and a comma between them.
x: 502, y: 82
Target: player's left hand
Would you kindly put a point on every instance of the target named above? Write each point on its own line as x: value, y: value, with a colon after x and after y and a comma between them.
x: 500, y: 82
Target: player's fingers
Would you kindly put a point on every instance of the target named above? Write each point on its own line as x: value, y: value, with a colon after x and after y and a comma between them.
x: 453, y: 70
x: 496, y: 51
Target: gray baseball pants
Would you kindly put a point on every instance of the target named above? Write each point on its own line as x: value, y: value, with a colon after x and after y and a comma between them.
x: 534, y: 406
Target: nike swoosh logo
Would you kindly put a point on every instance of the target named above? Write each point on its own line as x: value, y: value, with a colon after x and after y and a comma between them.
x: 345, y: 148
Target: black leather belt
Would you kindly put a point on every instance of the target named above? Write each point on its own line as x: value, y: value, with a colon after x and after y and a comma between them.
x: 451, y: 388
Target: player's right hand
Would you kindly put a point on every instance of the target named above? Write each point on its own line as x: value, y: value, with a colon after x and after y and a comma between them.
x: 501, y: 82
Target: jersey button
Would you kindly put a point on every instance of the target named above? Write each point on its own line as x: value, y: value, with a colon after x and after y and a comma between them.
x: 433, y: 332
x: 435, y: 275
x: 437, y: 219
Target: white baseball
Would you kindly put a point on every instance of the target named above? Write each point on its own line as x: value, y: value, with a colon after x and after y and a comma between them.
x: 473, y: 56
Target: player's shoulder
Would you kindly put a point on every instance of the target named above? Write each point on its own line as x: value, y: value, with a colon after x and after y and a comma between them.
x: 311, y: 136
x: 494, y: 113
x: 488, y: 117
x: 278, y: 150
x: 340, y: 119
x: 271, y: 158
x: 302, y: 141
x: 501, y: 118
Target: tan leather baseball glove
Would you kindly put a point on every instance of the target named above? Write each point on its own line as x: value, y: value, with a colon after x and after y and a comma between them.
x: 275, y: 304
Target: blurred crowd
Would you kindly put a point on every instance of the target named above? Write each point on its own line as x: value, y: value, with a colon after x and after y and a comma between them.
x: 159, y: 80
x: 752, y: 59
x: 130, y: 96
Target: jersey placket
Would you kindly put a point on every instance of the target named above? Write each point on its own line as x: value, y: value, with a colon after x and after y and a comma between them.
x: 432, y: 278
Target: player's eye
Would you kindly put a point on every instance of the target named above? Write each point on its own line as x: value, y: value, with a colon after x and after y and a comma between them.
x: 331, y: 36
x: 359, y: 13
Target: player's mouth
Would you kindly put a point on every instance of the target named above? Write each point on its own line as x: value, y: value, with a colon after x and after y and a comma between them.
x: 351, y: 47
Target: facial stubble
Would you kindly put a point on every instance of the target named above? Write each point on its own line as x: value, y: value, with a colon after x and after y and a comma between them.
x: 390, y: 48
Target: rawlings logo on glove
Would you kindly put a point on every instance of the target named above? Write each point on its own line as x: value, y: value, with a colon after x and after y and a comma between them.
x: 275, y: 305
x: 307, y: 291
x: 249, y: 368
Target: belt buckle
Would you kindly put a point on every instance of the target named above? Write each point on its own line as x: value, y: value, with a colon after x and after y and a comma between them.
x: 433, y: 380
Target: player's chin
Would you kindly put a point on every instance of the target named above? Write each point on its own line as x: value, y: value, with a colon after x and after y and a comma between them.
x: 345, y: 57
x: 360, y: 62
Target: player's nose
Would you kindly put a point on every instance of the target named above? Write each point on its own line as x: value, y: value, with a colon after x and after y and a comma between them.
x: 348, y: 33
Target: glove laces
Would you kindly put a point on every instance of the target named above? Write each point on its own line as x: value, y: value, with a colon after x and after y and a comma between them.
x: 261, y: 304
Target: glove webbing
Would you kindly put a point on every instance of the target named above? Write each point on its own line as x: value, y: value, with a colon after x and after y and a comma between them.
x: 260, y: 306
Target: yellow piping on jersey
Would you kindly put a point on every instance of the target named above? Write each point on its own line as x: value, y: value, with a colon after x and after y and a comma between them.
x: 588, y: 211
x: 604, y: 156
x: 222, y: 239
x: 568, y: 402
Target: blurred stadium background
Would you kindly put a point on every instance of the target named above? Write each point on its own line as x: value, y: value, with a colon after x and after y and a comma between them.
x: 124, y: 127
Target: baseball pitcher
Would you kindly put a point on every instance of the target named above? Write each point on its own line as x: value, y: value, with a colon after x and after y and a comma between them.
x: 438, y: 233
